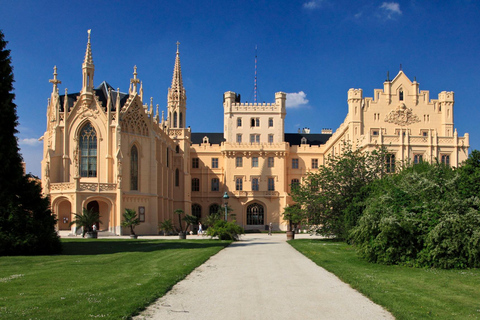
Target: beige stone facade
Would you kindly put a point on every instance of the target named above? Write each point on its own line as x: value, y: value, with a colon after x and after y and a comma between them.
x: 109, y: 150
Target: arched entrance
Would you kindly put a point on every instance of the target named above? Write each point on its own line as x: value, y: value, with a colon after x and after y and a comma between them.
x: 255, y: 214
x: 104, y: 210
x: 64, y: 215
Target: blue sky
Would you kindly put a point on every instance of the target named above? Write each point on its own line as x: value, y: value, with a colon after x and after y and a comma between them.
x: 314, y: 50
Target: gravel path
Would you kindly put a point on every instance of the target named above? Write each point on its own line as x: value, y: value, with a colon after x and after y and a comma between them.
x: 262, y: 277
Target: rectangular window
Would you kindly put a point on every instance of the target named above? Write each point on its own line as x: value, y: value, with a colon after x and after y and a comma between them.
x: 446, y: 159
x: 239, y: 162
x: 239, y: 122
x: 254, y: 138
x: 195, y: 184
x: 215, y: 184
x: 239, y: 184
x: 314, y: 163
x: 270, y: 122
x: 214, y: 163
x: 254, y: 162
x: 255, y: 122
x: 270, y: 138
x: 417, y: 158
x: 271, y: 162
x: 255, y: 184
x: 239, y: 138
x: 195, y: 162
x: 271, y: 184
x: 390, y: 163
x: 295, y: 184
x: 294, y: 163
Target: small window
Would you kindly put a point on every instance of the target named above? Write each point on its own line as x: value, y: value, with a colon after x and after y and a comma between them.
x: 195, y: 184
x: 270, y: 138
x: 195, y: 162
x: 255, y: 122
x: 314, y: 163
x: 295, y: 184
x: 417, y: 158
x: 214, y: 163
x: 400, y: 95
x: 255, y: 184
x: 374, y: 132
x: 294, y: 163
x: 177, y: 178
x: 254, y: 138
x: 239, y: 162
x: 254, y: 162
x: 239, y: 138
x: 177, y: 149
x: 446, y: 159
x: 271, y: 184
x: 270, y: 122
x: 239, y: 184
x: 303, y: 140
x: 390, y: 163
x: 239, y: 122
x: 215, y: 184
x: 271, y: 162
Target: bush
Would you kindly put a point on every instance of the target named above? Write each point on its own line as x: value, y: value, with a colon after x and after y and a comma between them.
x: 225, y: 230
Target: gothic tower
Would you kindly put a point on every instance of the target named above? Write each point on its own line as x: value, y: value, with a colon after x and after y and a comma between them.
x: 177, y: 99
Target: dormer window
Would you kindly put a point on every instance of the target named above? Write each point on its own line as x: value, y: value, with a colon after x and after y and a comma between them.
x: 303, y: 140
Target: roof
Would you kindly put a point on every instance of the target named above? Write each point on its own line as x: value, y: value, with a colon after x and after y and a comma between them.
x: 101, y: 92
x: 314, y: 139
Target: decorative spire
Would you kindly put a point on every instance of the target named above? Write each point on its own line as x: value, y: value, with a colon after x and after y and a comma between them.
x: 88, y: 68
x: 134, y: 81
x: 177, y: 83
x: 88, y: 53
x: 65, y: 102
x: 55, y: 81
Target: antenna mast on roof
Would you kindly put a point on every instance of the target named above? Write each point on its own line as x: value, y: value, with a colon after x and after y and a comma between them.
x: 255, y: 84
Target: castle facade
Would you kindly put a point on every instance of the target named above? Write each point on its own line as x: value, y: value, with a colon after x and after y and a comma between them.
x: 109, y: 150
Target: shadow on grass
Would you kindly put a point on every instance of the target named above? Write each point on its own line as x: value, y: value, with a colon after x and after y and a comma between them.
x: 94, y: 247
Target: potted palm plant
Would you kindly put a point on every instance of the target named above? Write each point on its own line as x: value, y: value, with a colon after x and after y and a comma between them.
x: 130, y: 220
x: 189, y: 220
x: 86, y: 220
x: 295, y: 216
x: 166, y: 227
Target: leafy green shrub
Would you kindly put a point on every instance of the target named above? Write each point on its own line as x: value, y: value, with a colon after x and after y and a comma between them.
x: 225, y: 230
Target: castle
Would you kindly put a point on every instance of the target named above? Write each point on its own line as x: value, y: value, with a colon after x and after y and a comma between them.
x: 108, y: 150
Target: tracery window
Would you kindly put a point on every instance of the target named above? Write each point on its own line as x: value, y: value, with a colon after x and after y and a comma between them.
x: 88, y: 151
x: 134, y: 168
x: 255, y: 214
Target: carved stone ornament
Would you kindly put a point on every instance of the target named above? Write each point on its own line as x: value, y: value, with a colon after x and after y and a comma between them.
x: 402, y: 116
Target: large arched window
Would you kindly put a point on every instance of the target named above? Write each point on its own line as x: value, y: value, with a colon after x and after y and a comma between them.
x: 177, y: 178
x: 196, y: 210
x: 214, y: 208
x: 255, y: 214
x: 88, y: 151
x: 134, y: 168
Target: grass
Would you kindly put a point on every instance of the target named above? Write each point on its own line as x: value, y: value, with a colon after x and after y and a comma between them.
x: 408, y: 293
x: 108, y: 279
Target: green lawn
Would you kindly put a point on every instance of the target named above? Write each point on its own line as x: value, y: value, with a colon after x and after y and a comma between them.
x: 108, y: 279
x: 408, y: 293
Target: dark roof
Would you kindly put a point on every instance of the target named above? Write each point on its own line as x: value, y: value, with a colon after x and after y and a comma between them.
x: 213, y: 137
x: 314, y: 139
x: 101, y: 92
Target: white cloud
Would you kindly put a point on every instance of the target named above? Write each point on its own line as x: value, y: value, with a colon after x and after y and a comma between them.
x: 296, y: 99
x: 391, y: 9
x: 312, y: 4
x: 33, y: 142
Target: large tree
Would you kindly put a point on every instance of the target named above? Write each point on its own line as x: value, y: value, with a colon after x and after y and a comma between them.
x: 27, y: 225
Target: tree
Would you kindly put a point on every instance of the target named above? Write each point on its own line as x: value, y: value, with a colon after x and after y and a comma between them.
x: 86, y: 220
x: 332, y: 196
x: 295, y: 215
x: 27, y: 225
x: 130, y: 220
x: 189, y: 220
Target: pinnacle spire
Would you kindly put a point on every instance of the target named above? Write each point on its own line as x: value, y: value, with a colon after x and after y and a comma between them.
x: 177, y: 83
x: 88, y: 68
x: 55, y: 81
x: 88, y: 53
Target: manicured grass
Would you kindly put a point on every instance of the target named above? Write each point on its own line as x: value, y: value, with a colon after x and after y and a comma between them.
x: 108, y: 279
x: 408, y: 293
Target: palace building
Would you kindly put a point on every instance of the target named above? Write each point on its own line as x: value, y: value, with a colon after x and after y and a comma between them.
x: 108, y: 150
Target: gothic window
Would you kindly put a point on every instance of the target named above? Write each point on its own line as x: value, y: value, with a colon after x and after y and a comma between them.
x: 195, y: 184
x: 446, y: 159
x: 400, y: 95
x: 196, y: 210
x: 255, y: 184
x: 134, y: 168
x: 271, y: 184
x: 390, y: 163
x: 88, y: 151
x: 214, y: 208
x: 239, y: 184
x: 177, y: 178
x: 175, y: 123
x: 417, y: 158
x: 180, y: 121
x: 215, y: 184
x: 255, y: 214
